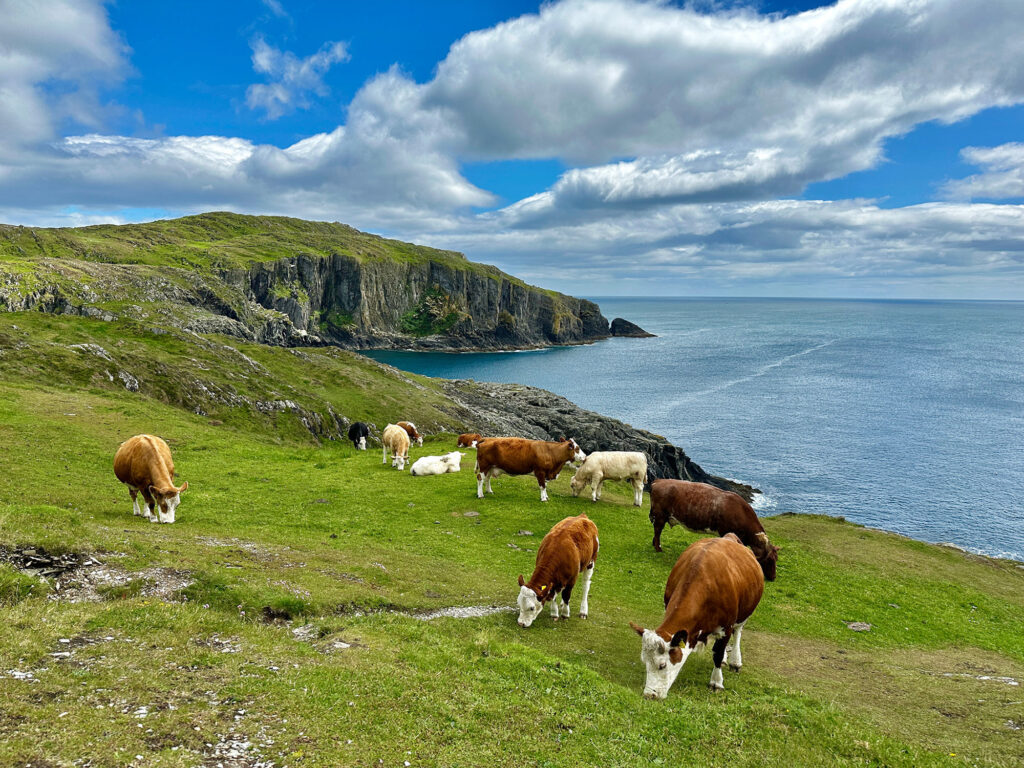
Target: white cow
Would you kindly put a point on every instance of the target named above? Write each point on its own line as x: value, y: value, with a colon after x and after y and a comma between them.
x: 395, y: 440
x: 612, y: 465
x: 437, y: 465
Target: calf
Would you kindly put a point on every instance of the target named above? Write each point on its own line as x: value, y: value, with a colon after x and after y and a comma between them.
x: 144, y: 464
x: 437, y: 465
x: 358, y: 433
x: 569, y: 549
x: 702, y: 507
x: 712, y: 590
x: 396, y: 440
x: 518, y: 456
x: 612, y: 465
x: 468, y: 440
x: 410, y: 430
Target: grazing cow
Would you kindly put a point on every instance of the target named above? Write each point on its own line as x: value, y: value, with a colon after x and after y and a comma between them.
x: 358, y: 433
x: 612, y: 465
x: 713, y: 588
x: 437, y: 465
x: 468, y: 440
x: 569, y: 549
x: 702, y: 507
x: 410, y: 430
x: 144, y: 464
x: 396, y: 440
x: 518, y: 456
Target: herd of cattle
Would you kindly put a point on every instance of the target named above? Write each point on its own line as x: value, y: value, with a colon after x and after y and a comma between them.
x: 711, y: 591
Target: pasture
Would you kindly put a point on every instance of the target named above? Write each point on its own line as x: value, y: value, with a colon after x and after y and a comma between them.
x: 284, y: 619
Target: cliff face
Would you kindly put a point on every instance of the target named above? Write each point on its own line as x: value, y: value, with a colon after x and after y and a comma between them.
x: 286, y: 282
x: 427, y: 305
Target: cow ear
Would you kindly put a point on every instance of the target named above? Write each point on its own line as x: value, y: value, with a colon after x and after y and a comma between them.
x: 678, y: 638
x: 522, y: 581
x: 675, y: 655
x: 184, y: 487
x: 636, y: 628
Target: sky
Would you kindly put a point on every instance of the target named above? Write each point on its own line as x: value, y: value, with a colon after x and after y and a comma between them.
x: 864, y: 148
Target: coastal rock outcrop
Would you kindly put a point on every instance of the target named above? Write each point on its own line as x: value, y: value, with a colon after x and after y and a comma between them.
x: 516, y: 409
x: 622, y: 327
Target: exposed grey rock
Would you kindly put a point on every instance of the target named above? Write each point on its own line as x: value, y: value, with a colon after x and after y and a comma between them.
x: 130, y: 382
x: 620, y: 327
x: 521, y: 411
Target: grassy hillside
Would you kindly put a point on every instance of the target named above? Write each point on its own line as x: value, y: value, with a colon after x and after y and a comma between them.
x: 218, y: 240
x: 281, y: 619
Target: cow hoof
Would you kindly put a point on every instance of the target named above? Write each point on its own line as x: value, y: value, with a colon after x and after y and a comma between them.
x: 715, y: 688
x: 583, y: 615
x: 735, y: 667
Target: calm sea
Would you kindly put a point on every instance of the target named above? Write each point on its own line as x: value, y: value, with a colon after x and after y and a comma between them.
x: 901, y: 415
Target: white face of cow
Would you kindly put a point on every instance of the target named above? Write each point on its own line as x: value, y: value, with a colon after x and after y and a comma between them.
x: 362, y: 443
x: 657, y: 656
x: 529, y: 606
x: 577, y: 484
x: 578, y: 454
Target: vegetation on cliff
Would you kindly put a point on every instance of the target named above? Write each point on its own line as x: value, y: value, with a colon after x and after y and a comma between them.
x: 285, y: 281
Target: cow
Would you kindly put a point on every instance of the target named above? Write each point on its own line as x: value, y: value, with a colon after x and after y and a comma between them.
x: 713, y: 588
x: 569, y: 549
x: 518, y: 456
x: 358, y: 433
x: 468, y: 440
x: 144, y: 464
x: 611, y: 465
x: 437, y: 465
x: 701, y: 507
x: 410, y: 430
x: 395, y: 440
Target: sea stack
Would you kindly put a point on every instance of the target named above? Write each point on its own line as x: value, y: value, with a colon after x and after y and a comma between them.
x: 622, y: 327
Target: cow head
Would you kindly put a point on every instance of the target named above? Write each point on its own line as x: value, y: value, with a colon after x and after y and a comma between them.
x: 577, y: 453
x: 362, y: 443
x: 577, y: 484
x: 530, y: 603
x: 167, y: 500
x: 767, y: 555
x: 453, y: 460
x: 664, y: 660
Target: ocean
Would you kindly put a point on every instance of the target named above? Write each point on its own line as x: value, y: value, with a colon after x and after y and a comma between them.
x: 901, y: 415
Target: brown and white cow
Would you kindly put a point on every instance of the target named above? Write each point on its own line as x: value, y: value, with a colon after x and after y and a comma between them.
x: 701, y: 507
x: 144, y: 464
x: 395, y: 440
x: 410, y: 429
x: 519, y: 456
x: 569, y: 549
x: 713, y: 588
x: 468, y: 440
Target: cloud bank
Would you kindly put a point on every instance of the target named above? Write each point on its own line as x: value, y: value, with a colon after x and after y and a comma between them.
x: 686, y: 132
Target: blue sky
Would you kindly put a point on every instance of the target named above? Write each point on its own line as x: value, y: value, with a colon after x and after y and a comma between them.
x: 600, y: 147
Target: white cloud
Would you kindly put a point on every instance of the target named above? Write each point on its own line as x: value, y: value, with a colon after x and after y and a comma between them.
x: 1002, y: 177
x: 292, y: 79
x: 687, y: 129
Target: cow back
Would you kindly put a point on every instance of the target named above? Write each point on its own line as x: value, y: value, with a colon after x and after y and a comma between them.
x: 714, y: 584
x: 519, y: 456
x: 144, y: 460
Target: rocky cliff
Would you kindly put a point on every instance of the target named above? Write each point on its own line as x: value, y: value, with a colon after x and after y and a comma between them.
x: 286, y: 282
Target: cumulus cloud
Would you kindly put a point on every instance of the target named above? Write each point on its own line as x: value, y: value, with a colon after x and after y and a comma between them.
x: 685, y: 130
x: 1002, y: 176
x: 292, y: 80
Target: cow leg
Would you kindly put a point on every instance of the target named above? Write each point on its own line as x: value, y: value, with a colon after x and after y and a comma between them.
x: 658, y: 528
x: 733, y: 651
x: 384, y: 454
x: 479, y: 483
x: 588, y: 574
x: 134, y: 492
x: 554, y: 608
x: 717, y: 656
x: 566, y: 594
x: 492, y: 472
x: 150, y: 504
x: 638, y: 493
x: 542, y: 482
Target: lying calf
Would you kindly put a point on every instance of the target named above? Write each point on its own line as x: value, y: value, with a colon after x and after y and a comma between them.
x: 437, y: 465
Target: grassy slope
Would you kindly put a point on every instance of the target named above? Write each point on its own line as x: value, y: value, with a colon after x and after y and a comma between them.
x: 255, y: 529
x: 219, y: 241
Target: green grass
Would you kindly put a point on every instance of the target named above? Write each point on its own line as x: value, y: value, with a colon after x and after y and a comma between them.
x: 334, y: 539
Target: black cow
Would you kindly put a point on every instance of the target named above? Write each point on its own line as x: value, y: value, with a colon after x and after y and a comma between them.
x: 358, y: 433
